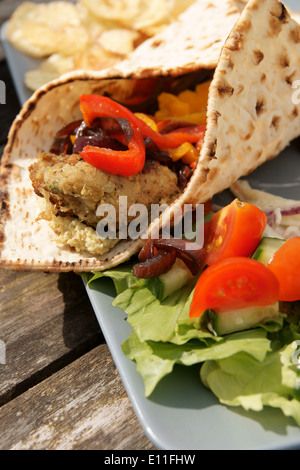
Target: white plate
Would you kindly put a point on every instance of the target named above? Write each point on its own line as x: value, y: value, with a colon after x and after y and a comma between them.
x: 181, y: 414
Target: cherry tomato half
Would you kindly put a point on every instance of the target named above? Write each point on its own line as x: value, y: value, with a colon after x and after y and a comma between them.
x: 235, y: 230
x: 285, y: 264
x: 232, y: 284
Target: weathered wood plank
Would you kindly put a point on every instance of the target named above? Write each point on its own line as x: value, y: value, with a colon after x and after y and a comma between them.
x: 83, y: 406
x: 46, y: 321
x: 59, y: 388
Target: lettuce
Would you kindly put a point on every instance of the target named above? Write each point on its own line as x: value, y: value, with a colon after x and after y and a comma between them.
x: 157, y: 359
x: 241, y: 380
x: 251, y: 368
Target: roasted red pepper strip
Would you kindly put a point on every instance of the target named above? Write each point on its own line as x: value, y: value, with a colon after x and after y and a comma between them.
x: 93, y: 106
x: 124, y: 163
x: 191, y: 134
x: 117, y: 162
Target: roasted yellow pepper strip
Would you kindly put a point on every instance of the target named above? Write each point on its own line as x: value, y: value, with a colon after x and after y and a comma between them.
x: 145, y: 118
x: 187, y: 106
x: 186, y: 151
x: 171, y: 105
x: 191, y: 156
x: 197, y: 102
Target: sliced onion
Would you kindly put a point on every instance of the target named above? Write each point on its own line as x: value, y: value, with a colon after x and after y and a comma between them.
x: 184, y: 173
x: 148, y: 250
x: 111, y: 125
x: 98, y: 141
x: 61, y: 146
x: 159, y: 264
x: 86, y: 131
x: 188, y: 251
x: 173, y: 125
x: 291, y: 211
x: 155, y: 154
x: 69, y: 129
x: 295, y: 210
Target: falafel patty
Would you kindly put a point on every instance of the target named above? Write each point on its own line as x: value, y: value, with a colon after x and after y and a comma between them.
x: 74, y: 189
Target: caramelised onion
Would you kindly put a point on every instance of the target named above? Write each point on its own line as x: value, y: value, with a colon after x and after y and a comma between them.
x: 189, y: 252
x: 155, y: 154
x: 84, y: 131
x: 111, y: 125
x: 154, y: 261
x: 97, y: 141
x: 173, y: 125
x: 148, y: 250
x: 102, y: 133
x: 61, y: 146
x: 184, y: 173
x: 159, y: 264
x: 69, y: 129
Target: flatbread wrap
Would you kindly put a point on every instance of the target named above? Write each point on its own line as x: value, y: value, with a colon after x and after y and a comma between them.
x: 251, y: 116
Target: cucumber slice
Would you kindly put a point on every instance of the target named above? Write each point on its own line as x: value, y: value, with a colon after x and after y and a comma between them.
x: 167, y: 284
x: 175, y: 279
x: 266, y: 249
x: 238, y: 320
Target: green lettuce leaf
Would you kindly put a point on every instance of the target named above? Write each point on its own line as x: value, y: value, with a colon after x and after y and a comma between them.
x: 251, y: 368
x: 242, y: 380
x: 121, y: 276
x: 155, y: 360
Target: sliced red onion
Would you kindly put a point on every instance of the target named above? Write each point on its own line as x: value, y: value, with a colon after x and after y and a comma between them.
x: 291, y: 211
x: 84, y: 131
x: 111, y: 125
x: 159, y: 264
x: 173, y: 125
x: 155, y: 154
x: 69, y: 129
x: 148, y: 250
x: 284, y: 212
x: 189, y: 252
x: 184, y: 173
x: 61, y: 146
x: 272, y: 214
x: 98, y: 141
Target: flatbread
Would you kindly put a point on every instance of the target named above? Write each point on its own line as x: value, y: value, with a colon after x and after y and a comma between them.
x: 191, y: 43
x: 253, y: 111
x: 250, y: 119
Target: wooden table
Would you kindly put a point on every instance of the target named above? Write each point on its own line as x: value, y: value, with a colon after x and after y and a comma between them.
x: 59, y: 388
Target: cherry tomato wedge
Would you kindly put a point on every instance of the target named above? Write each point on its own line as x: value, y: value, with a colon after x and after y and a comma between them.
x: 235, y: 230
x: 232, y: 284
x: 285, y: 264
